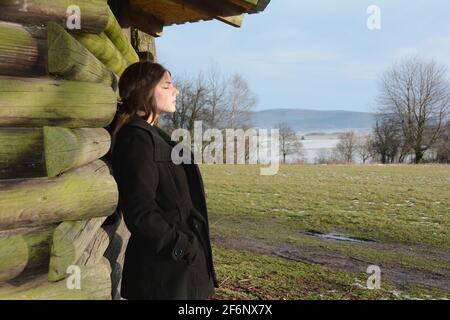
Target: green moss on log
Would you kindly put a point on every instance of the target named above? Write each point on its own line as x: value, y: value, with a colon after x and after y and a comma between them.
x: 27, y: 102
x: 26, y: 251
x: 70, y: 148
x: 49, y: 151
x: 21, y: 153
x: 70, y: 60
x: 115, y: 34
x: 95, y: 283
x: 70, y: 239
x: 23, y: 50
x: 105, y: 51
x: 94, y: 13
x: 86, y: 192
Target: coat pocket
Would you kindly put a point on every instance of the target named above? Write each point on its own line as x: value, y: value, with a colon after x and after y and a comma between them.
x: 172, y: 216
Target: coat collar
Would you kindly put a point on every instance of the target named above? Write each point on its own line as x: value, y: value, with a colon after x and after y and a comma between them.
x: 162, y: 141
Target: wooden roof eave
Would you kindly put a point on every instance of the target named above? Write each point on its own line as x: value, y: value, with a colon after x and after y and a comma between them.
x: 151, y: 16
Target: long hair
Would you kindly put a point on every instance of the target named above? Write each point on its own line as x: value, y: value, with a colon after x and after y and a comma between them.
x: 136, y: 88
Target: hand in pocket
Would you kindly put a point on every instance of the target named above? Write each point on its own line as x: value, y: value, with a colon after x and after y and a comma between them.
x: 192, y: 251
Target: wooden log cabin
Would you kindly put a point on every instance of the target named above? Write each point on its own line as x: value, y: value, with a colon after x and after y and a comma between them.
x: 58, y: 93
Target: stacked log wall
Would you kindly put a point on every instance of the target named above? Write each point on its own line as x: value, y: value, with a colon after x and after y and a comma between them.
x: 58, y: 92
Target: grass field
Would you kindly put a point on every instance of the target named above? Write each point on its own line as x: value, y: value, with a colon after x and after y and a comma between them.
x: 269, y: 233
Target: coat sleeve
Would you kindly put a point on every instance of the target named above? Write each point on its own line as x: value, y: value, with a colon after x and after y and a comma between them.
x: 136, y: 174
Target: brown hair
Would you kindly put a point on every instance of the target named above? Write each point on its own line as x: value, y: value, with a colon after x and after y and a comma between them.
x: 136, y: 88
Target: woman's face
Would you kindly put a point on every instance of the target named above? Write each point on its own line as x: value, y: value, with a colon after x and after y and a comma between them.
x: 165, y: 95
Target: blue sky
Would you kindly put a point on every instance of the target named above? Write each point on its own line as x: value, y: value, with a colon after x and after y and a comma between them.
x: 314, y: 54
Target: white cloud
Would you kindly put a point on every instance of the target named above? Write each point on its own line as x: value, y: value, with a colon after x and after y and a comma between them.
x: 435, y: 47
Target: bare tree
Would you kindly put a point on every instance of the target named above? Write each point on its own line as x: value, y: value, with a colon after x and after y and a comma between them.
x: 191, y: 104
x: 217, y: 88
x: 217, y: 102
x: 364, y: 147
x: 386, y: 139
x: 346, y: 147
x: 417, y: 94
x: 443, y: 145
x: 241, y: 101
x: 324, y: 156
x: 198, y: 101
x: 179, y: 118
x: 289, y: 141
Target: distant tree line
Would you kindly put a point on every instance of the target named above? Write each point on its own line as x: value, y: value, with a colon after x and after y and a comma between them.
x: 222, y: 103
x: 412, y: 123
x: 219, y: 102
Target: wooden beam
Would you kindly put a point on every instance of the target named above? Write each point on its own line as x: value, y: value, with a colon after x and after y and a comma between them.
x: 25, y: 251
x: 49, y: 151
x: 144, y: 44
x: 23, y: 50
x: 95, y: 283
x: 246, y: 4
x: 78, y: 63
x: 21, y: 153
x: 70, y: 239
x: 114, y: 32
x: 234, y: 21
x: 66, y: 149
x: 145, y: 22
x: 214, y: 8
x: 129, y: 15
x: 94, y: 14
x: 97, y: 246
x: 104, y: 50
x: 27, y: 102
x: 111, y: 242
x: 86, y: 192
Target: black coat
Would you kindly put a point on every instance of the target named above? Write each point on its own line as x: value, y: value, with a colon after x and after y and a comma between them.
x: 163, y: 204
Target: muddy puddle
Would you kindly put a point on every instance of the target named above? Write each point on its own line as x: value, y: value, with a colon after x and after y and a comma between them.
x: 335, y: 236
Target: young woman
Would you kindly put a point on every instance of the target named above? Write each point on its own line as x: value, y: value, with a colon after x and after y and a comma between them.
x: 163, y: 204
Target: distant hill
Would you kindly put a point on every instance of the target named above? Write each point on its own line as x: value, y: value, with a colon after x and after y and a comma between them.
x: 306, y: 120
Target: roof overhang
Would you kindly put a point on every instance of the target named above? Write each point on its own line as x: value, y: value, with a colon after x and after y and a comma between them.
x: 151, y: 16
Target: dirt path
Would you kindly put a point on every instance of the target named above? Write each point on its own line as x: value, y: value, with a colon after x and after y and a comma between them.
x: 396, y: 274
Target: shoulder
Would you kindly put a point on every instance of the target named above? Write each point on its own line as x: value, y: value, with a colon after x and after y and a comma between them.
x: 131, y: 137
x: 129, y: 132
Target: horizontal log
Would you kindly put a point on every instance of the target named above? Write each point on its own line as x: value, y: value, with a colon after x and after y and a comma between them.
x: 93, y: 15
x: 115, y: 34
x: 21, y: 153
x: 27, y: 102
x: 95, y: 284
x: 86, y: 192
x: 69, y: 59
x: 49, y: 151
x: 23, y: 50
x: 26, y: 251
x: 104, y: 50
x: 70, y: 148
x: 70, y: 239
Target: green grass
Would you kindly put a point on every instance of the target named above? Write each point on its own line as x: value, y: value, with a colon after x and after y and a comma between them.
x: 408, y: 204
x: 400, y: 205
x: 246, y: 276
